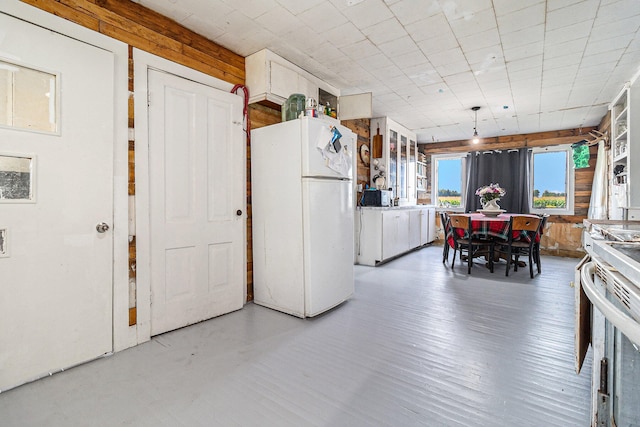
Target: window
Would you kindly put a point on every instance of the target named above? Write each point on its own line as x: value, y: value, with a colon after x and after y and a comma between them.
x: 551, y: 186
x: 448, y: 182
x: 28, y: 98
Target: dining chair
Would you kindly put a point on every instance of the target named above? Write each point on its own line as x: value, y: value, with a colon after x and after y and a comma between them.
x: 464, y: 241
x: 446, y: 230
x: 525, y: 228
x: 536, y: 245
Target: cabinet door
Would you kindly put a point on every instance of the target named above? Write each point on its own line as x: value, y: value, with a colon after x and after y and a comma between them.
x: 307, y: 88
x: 411, y: 171
x: 393, y: 162
x: 284, y: 81
x: 390, y: 244
x: 403, y: 231
x: 403, y: 168
x: 415, y: 227
x: 424, y: 226
x: 359, y: 106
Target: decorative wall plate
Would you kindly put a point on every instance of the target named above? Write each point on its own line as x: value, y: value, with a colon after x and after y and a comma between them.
x: 364, y: 154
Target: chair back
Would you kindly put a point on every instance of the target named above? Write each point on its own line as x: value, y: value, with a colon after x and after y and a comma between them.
x: 459, y: 221
x: 525, y: 223
x: 530, y: 225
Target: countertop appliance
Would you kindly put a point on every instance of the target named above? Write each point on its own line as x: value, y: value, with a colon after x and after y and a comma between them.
x: 302, y: 216
x: 610, y: 280
x: 371, y: 197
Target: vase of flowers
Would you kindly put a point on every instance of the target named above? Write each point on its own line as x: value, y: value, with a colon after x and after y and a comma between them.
x: 490, y: 195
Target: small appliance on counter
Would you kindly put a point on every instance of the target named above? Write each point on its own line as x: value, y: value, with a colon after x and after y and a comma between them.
x: 373, y: 197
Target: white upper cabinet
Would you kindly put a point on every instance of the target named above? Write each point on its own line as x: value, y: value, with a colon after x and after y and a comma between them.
x: 394, y: 159
x: 270, y: 77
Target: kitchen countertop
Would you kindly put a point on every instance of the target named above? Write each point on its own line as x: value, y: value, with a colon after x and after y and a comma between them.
x: 619, y: 230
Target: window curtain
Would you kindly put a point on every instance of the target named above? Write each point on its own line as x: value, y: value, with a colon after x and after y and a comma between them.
x: 598, y: 203
x: 509, y: 168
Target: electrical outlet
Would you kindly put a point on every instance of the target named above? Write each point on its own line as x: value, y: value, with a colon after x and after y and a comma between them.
x: 359, y: 188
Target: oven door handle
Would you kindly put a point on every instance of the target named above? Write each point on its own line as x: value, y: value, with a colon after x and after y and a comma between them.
x: 619, y: 319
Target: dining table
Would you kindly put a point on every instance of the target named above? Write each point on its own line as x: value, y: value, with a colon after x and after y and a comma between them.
x: 493, y: 227
x: 484, y: 226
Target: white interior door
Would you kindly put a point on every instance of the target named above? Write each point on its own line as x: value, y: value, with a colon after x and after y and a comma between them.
x: 197, y: 202
x: 55, y: 267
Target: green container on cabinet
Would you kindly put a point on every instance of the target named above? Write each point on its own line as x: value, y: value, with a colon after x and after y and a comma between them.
x: 293, y: 107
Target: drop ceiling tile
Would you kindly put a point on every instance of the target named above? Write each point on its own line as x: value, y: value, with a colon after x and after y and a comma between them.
x: 366, y: 14
x: 296, y: 7
x: 612, y: 57
x: 614, y: 13
x: 438, y: 44
x: 464, y: 9
x: 387, y: 73
x: 428, y: 27
x: 359, y: 50
x: 567, y: 48
x: 485, y: 57
x: 525, y: 63
x: 385, y: 31
x: 580, y: 30
x: 526, y: 74
x: 522, y: 52
x: 561, y: 61
x: 411, y: 60
x: 399, y: 47
x: 522, y: 18
x: 344, y: 35
x: 604, y: 46
x: 201, y: 24
x: 586, y: 10
x: 399, y: 80
x: 379, y: 60
x: 505, y: 7
x: 447, y: 57
x: 410, y: 11
x: 322, y: 18
x: 453, y: 68
x: 279, y: 20
x: 252, y: 8
x: 560, y: 75
x: 477, y: 22
x: 523, y: 37
x: 460, y: 78
x: 607, y: 30
x: 480, y: 40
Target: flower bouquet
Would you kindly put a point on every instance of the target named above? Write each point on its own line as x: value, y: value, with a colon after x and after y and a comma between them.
x: 489, y: 195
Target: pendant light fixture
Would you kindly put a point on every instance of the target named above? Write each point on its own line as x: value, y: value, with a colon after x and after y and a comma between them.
x: 475, y: 139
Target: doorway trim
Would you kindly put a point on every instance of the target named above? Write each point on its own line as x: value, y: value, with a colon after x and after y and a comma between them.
x: 142, y: 62
x: 121, y: 331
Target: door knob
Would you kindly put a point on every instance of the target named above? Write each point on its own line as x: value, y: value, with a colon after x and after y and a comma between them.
x: 103, y: 227
x: 238, y: 212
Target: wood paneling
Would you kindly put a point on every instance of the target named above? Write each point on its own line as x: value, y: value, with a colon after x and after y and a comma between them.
x: 361, y: 128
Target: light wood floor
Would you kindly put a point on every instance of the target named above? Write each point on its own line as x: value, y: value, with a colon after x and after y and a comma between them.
x: 418, y: 344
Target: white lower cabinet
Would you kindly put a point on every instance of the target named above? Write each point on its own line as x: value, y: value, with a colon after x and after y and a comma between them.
x: 385, y: 233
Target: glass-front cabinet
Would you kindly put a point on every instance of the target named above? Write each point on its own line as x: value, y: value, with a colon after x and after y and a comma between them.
x: 395, y: 169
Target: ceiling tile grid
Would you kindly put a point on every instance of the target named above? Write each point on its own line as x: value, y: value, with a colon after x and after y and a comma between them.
x: 531, y: 65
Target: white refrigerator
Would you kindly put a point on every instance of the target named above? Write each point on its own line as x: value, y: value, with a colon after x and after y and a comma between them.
x: 302, y: 216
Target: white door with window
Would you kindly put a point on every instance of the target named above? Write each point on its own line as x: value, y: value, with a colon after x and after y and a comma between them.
x: 196, y: 202
x: 56, y: 201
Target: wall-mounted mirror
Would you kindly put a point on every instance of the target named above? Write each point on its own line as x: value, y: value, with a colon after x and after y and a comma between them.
x: 17, y: 178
